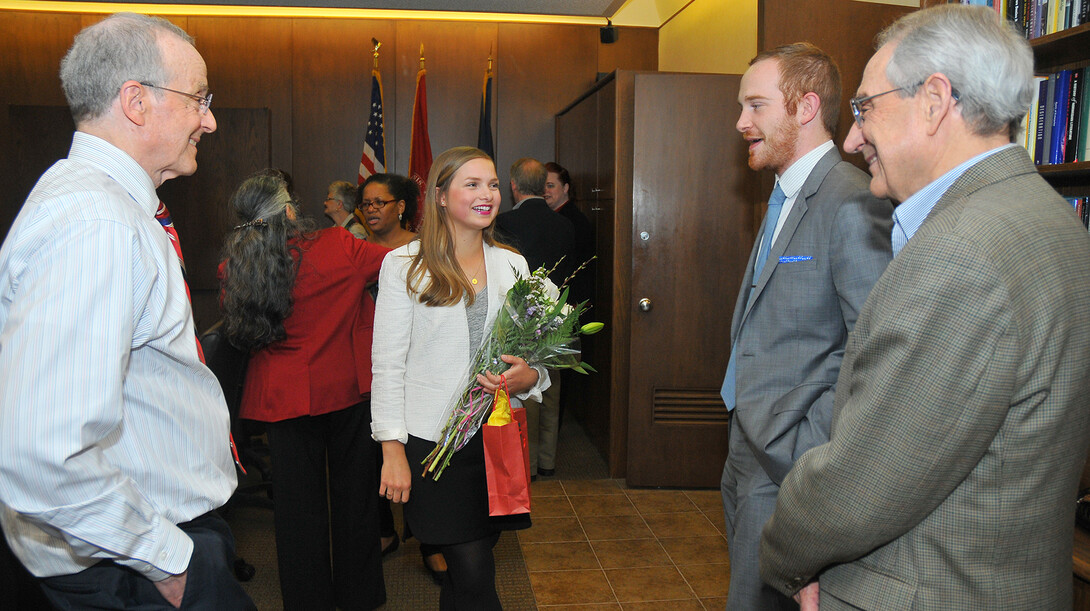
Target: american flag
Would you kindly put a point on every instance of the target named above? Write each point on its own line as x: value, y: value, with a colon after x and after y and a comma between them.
x: 373, y: 160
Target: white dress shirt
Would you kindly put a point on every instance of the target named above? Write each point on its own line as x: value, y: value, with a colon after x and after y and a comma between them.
x: 111, y: 429
x: 794, y: 177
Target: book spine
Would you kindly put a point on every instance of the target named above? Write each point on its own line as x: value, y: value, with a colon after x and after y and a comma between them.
x: 1074, y: 126
x: 1039, y: 131
x: 1058, y: 133
x: 1084, y: 119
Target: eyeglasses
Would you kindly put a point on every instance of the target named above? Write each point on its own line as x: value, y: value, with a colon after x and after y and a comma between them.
x: 377, y: 204
x: 857, y: 104
x: 204, y: 102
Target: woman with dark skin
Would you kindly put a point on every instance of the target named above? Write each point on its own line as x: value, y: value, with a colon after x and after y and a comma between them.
x: 388, y: 204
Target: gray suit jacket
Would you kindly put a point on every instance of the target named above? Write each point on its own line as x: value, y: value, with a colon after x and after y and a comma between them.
x: 961, y: 424
x: 832, y: 248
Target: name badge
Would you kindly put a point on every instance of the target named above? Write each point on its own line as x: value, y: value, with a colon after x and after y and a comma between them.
x: 795, y: 258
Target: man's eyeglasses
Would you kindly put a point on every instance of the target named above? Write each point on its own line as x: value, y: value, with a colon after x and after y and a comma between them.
x: 204, y: 102
x: 377, y: 204
x: 857, y: 104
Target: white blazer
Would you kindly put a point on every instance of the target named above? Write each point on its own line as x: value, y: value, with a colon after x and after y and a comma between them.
x: 421, y: 354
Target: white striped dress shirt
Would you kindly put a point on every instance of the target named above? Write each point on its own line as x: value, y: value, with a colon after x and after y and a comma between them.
x: 111, y: 429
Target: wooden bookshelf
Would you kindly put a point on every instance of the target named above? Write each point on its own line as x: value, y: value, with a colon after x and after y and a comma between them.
x: 1064, y: 50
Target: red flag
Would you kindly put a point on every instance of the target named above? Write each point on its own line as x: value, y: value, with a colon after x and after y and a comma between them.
x: 420, y: 148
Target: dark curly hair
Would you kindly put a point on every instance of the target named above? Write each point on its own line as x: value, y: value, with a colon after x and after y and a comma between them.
x: 401, y: 188
x: 261, y: 257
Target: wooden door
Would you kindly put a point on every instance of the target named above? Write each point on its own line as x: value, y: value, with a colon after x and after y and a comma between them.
x: 691, y: 234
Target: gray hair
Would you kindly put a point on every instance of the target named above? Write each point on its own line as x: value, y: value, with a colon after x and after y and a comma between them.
x: 344, y: 192
x: 989, y: 65
x: 122, y: 47
x: 529, y: 176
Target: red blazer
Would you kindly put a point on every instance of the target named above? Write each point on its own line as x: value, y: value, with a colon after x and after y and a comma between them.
x: 324, y: 363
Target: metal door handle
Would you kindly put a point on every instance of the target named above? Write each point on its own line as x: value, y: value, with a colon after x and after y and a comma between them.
x: 645, y: 305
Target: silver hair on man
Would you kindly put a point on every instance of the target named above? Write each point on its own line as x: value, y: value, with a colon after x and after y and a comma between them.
x: 989, y: 65
x: 122, y: 47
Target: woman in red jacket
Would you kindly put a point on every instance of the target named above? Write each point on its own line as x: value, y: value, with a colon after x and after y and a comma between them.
x: 296, y: 298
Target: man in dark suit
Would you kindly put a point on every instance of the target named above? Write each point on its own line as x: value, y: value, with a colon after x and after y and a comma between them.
x: 544, y: 238
x: 823, y: 244
x: 961, y: 426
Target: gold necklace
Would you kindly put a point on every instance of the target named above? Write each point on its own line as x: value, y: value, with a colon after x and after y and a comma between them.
x: 476, y: 273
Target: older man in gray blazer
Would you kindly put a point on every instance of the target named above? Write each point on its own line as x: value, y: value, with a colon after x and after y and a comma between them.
x: 961, y: 423
x: 825, y: 241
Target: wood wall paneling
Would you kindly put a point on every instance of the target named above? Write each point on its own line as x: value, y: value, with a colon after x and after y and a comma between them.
x: 630, y: 50
x: 31, y: 46
x: 331, y: 94
x: 544, y: 68
x: 456, y: 55
x: 250, y: 66
x: 845, y: 29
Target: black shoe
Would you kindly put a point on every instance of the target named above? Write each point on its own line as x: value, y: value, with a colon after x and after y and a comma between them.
x: 546, y: 472
x: 436, y: 575
x: 392, y: 547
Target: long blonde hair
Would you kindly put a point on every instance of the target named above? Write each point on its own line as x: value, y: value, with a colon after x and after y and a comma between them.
x: 446, y: 282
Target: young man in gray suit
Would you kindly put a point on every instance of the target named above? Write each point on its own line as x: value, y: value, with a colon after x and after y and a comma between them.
x: 961, y: 424
x: 824, y: 243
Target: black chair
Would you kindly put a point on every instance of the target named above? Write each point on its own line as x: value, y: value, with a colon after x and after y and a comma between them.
x: 228, y: 363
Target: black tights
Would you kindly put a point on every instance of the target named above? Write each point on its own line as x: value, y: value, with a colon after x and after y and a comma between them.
x: 470, y: 583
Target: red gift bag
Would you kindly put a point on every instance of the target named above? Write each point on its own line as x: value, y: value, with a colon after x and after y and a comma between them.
x: 507, y: 466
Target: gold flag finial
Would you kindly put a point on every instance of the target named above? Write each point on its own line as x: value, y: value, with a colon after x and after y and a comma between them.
x: 421, y: 56
x: 374, y: 51
x: 490, y: 59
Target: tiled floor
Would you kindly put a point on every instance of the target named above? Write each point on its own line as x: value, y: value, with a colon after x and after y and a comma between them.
x: 597, y: 545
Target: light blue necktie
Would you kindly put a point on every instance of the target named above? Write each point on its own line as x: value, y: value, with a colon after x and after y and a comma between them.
x: 775, y: 204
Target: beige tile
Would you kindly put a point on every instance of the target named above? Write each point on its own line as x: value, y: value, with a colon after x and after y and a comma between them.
x: 706, y: 500
x: 707, y: 580
x: 696, y: 550
x: 717, y: 602
x: 630, y: 553
x: 552, y: 530
x: 672, y: 605
x: 550, y: 507
x: 545, y: 488
x: 648, y: 584
x: 571, y: 587
x: 717, y: 520
x: 602, y: 505
x: 660, y: 501
x: 559, y: 556
x: 584, y: 487
x: 615, y: 527
x: 690, y: 524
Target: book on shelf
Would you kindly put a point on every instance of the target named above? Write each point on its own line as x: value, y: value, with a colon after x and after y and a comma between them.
x: 1058, y: 130
x: 1084, y: 118
x: 1082, y: 209
x: 1074, y: 125
x: 1036, y: 18
x: 1058, y: 122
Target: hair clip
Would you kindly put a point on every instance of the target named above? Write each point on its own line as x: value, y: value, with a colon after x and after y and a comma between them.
x: 253, y: 223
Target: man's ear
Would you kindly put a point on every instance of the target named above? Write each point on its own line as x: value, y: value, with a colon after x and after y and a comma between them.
x: 808, y: 108
x: 133, y: 99
x: 937, y: 95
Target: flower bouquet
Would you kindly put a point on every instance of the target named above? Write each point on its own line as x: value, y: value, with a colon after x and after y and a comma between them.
x: 534, y: 324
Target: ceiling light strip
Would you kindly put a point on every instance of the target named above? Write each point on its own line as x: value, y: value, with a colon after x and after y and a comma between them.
x: 289, y: 11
